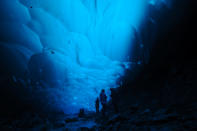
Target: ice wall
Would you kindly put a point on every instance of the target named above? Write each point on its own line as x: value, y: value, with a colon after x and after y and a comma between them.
x: 74, y: 47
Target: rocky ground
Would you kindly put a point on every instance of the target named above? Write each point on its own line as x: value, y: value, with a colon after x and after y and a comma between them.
x: 132, y: 118
x: 35, y: 122
x: 166, y: 119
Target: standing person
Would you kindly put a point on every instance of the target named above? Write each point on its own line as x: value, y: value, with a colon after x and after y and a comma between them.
x: 103, y: 100
x: 97, y: 105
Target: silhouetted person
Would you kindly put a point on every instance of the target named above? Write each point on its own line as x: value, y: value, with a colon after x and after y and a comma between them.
x: 103, y: 100
x: 81, y: 112
x: 97, y: 105
x: 114, y: 98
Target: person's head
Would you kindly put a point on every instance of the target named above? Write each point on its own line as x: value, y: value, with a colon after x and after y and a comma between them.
x: 103, y: 90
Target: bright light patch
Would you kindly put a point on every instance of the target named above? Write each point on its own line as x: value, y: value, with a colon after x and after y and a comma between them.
x: 78, y: 46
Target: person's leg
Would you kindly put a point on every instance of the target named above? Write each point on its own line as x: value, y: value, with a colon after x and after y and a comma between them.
x: 97, y: 109
x: 104, y: 109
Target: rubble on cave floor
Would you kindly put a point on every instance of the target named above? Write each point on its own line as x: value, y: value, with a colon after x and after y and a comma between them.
x: 162, y: 119
x: 132, y: 118
x: 32, y: 121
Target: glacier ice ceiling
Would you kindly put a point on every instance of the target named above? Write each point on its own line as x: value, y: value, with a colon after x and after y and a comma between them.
x: 75, y: 48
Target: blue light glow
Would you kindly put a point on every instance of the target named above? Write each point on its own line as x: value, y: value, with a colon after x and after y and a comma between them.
x: 77, y: 47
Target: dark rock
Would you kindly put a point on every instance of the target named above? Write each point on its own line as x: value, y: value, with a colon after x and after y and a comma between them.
x: 133, y: 108
x: 146, y: 111
x: 37, y: 121
x: 117, y: 118
x: 59, y: 124
x: 84, y: 129
x: 69, y: 120
x: 81, y: 113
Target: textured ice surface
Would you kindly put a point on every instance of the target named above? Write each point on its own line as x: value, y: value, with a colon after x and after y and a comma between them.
x: 76, y: 47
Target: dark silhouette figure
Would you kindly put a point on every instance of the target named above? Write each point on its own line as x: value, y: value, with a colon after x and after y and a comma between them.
x: 114, y: 99
x: 103, y: 100
x: 97, y: 105
x: 81, y: 112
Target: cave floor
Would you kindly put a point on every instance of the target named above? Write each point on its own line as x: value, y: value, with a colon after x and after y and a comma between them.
x: 133, y: 118
x: 35, y: 122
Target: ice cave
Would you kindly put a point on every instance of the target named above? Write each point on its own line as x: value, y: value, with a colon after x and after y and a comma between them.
x: 99, y: 65
x: 70, y: 49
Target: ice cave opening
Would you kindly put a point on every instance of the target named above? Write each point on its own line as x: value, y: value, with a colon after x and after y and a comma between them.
x: 74, y: 48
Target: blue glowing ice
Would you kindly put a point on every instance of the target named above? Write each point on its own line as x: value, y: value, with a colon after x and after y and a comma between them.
x: 76, y: 46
